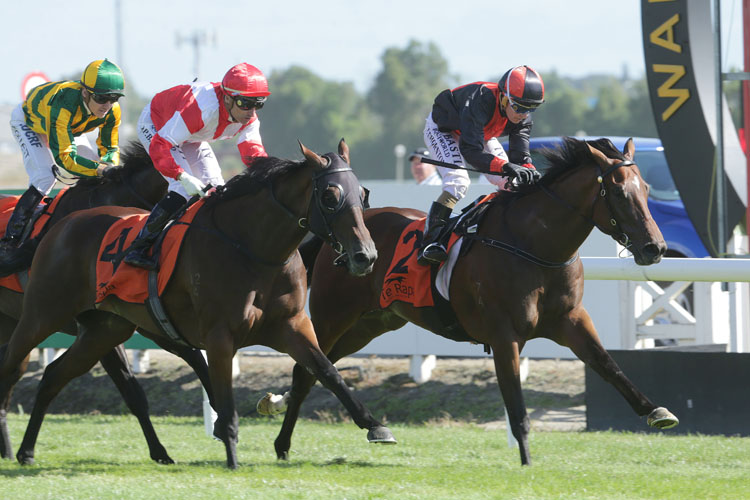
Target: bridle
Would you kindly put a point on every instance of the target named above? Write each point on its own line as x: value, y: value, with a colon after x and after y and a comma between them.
x: 616, y: 231
x: 319, y: 217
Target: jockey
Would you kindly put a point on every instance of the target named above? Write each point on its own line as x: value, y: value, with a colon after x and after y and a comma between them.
x: 49, y: 127
x: 176, y: 127
x: 464, y: 126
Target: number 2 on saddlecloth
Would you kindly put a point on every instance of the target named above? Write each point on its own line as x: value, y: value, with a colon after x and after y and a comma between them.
x: 400, y: 267
x: 115, y: 257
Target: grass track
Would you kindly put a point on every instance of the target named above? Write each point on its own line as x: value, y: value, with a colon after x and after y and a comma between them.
x: 106, y: 458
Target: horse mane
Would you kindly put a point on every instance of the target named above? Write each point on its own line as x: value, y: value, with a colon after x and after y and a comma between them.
x: 262, y: 172
x: 572, y: 152
x: 133, y: 159
x: 564, y: 158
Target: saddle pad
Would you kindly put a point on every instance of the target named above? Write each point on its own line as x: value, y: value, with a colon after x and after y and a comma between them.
x: 6, y: 209
x: 407, y: 281
x: 130, y: 283
x: 7, y: 205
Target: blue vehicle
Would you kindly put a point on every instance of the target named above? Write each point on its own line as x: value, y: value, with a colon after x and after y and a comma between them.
x: 664, y: 199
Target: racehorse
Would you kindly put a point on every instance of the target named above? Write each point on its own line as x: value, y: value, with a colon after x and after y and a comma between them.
x: 238, y: 281
x: 520, y: 278
x: 135, y: 183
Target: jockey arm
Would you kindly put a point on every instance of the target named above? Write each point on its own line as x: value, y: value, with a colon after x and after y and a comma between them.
x: 109, y: 137
x: 63, y: 148
x: 249, y: 142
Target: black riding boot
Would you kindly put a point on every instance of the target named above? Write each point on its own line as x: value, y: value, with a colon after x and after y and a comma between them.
x: 433, y: 251
x: 19, y: 220
x: 162, y: 213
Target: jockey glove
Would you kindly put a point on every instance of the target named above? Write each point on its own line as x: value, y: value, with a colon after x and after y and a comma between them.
x: 523, y: 174
x: 191, y: 184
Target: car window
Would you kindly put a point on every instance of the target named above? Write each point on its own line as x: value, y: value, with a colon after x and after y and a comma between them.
x: 655, y: 171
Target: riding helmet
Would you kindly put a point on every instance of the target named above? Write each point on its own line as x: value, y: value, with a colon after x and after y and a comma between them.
x: 245, y: 80
x: 523, y: 86
x: 103, y: 77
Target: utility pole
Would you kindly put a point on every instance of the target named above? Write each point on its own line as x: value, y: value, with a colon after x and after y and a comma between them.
x: 197, y: 39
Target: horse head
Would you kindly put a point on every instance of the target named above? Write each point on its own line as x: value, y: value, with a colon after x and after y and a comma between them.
x: 336, y: 209
x: 622, y: 211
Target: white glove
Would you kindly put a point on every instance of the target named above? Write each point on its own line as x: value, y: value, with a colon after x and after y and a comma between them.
x: 191, y: 184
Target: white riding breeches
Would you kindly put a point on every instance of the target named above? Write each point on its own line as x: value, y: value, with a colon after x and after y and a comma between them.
x: 37, y: 157
x: 195, y: 158
x: 443, y: 146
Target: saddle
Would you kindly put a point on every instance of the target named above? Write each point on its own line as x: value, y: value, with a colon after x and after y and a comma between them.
x: 406, y: 281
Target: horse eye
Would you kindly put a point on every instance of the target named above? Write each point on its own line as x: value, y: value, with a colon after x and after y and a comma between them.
x: 330, y: 198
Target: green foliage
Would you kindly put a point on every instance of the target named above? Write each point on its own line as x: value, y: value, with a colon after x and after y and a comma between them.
x: 98, y: 457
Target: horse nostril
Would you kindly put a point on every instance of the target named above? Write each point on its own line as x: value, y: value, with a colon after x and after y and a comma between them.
x: 653, y: 251
x: 364, y: 259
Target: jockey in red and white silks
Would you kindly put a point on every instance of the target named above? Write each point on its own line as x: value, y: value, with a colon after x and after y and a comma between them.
x: 177, y: 125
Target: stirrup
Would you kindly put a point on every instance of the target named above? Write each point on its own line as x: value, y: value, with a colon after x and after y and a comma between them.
x: 434, y: 253
x: 139, y: 258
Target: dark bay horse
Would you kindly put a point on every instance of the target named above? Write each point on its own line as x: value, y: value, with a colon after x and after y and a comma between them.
x: 239, y: 281
x: 135, y: 183
x: 500, y: 298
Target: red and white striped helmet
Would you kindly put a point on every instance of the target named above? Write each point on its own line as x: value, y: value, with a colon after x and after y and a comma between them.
x: 245, y: 80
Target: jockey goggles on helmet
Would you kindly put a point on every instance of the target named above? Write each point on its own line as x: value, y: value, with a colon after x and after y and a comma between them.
x: 102, y: 98
x: 521, y: 109
x: 247, y: 103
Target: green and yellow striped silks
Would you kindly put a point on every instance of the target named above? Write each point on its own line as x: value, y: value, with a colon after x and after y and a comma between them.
x: 57, y: 110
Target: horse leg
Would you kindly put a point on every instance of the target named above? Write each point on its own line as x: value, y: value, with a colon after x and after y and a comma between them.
x: 193, y: 358
x: 99, y: 333
x: 353, y: 339
x: 303, y: 348
x: 6, y: 450
x: 220, y: 351
x: 577, y: 332
x: 508, y: 370
x: 115, y: 362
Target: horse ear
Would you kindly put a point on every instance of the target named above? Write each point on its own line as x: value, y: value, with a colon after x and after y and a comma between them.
x: 600, y: 157
x: 344, y: 150
x: 311, y: 155
x: 629, y: 149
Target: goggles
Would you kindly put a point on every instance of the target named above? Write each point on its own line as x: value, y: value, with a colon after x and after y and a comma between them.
x: 247, y: 103
x: 103, y: 98
x: 520, y: 109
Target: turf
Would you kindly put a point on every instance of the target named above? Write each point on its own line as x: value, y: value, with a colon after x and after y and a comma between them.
x: 105, y: 457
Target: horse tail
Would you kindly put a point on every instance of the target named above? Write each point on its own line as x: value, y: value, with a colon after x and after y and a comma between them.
x: 309, y: 250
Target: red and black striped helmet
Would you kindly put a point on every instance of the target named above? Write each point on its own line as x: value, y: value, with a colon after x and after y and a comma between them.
x: 523, y: 86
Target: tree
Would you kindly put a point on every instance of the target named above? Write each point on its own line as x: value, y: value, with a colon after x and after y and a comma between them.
x: 404, y: 91
x: 564, y: 111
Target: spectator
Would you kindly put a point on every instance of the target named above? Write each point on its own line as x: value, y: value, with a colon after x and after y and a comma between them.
x: 424, y: 173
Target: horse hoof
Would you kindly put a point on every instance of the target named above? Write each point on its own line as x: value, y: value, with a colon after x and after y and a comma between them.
x: 283, y: 455
x: 270, y: 404
x: 381, y: 434
x: 25, y: 459
x: 661, y: 418
x: 164, y: 461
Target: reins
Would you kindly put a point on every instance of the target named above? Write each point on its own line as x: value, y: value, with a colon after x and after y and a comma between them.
x: 623, y: 238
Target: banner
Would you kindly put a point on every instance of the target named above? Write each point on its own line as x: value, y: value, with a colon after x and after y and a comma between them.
x: 680, y: 72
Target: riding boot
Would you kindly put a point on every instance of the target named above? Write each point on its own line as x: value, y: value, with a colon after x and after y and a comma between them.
x: 18, y: 221
x: 433, y: 251
x: 162, y: 213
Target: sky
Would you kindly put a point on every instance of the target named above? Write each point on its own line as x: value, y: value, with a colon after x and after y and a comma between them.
x: 337, y: 40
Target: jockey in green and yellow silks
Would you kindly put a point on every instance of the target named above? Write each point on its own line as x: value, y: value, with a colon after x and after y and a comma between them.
x: 49, y: 126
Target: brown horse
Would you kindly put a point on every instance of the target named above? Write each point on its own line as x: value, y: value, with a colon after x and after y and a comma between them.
x: 239, y: 281
x: 519, y: 279
x: 135, y: 183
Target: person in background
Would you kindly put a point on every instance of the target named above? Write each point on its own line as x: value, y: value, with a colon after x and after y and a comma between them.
x: 176, y: 128
x: 463, y: 128
x: 424, y: 173
x: 49, y: 126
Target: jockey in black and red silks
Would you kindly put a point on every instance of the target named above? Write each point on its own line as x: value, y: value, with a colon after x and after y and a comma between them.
x: 464, y: 127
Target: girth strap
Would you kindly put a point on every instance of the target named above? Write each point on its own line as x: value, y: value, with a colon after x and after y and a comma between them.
x: 157, y: 312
